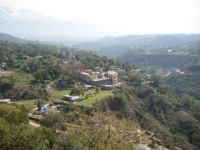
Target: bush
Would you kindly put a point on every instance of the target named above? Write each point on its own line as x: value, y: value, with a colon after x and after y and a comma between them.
x: 123, y: 99
x: 30, y: 94
x: 52, y: 121
x: 13, y: 113
x: 86, y: 96
x: 76, y: 91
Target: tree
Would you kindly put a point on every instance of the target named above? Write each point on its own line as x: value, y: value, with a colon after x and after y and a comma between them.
x: 52, y: 121
x: 122, y: 99
x: 98, y: 89
x: 39, y: 104
x: 54, y: 71
x: 41, y: 75
x: 156, y: 79
x: 12, y: 79
x: 77, y: 57
x: 76, y: 91
x: 73, y: 69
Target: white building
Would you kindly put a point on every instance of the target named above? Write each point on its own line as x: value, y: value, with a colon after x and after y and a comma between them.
x: 72, y: 99
x: 7, y: 101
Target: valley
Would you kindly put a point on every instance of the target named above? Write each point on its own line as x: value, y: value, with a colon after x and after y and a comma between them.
x: 154, y: 91
x: 99, y: 75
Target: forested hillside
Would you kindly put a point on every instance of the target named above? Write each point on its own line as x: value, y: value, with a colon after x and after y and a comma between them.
x: 186, y: 86
x: 7, y: 37
x: 26, y: 71
x: 170, y: 111
x: 27, y: 68
x: 156, y: 60
x: 157, y: 108
x: 114, y: 46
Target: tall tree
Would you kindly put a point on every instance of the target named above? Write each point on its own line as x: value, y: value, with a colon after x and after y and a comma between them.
x: 72, y: 69
x: 39, y: 104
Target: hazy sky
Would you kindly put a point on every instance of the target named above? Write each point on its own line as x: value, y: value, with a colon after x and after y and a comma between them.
x: 131, y: 16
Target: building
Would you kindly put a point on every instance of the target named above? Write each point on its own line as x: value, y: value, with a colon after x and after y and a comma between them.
x: 113, y: 76
x: 147, y: 77
x: 101, y: 81
x: 3, y: 65
x: 169, y: 51
x: 7, y: 101
x: 64, y: 83
x: 108, y: 87
x: 98, y: 77
x: 86, y: 77
x: 72, y: 99
x: 86, y: 86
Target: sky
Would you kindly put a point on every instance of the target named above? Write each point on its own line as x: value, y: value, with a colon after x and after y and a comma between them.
x: 123, y: 16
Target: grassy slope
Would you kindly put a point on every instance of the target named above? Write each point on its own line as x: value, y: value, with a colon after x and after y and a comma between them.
x: 91, y: 99
x: 58, y: 95
x: 27, y: 103
x: 86, y: 102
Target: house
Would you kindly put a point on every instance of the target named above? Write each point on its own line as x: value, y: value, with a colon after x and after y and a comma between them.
x: 38, y: 57
x: 169, y: 51
x: 113, y: 76
x: 108, y: 87
x: 3, y: 65
x: 64, y: 83
x: 7, y: 101
x: 72, y: 99
x: 147, y: 77
x: 101, y: 81
x: 86, y: 86
x: 86, y: 77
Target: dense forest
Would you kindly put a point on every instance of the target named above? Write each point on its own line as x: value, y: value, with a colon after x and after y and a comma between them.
x: 157, y: 108
x: 168, y: 106
x: 115, y: 46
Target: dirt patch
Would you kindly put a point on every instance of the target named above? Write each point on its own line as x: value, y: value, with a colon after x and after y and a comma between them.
x: 5, y: 73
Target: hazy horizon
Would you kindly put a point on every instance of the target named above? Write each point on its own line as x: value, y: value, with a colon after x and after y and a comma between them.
x: 118, y: 18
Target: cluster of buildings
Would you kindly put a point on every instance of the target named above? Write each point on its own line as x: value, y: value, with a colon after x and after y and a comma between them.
x: 106, y: 80
x: 98, y: 77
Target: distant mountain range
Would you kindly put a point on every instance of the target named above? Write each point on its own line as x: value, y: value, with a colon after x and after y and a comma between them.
x: 7, y: 37
x: 14, y: 39
x: 31, y: 25
x: 115, y: 46
x: 7, y: 13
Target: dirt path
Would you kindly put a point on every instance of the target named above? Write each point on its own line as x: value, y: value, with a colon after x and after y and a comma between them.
x: 34, y: 124
x: 5, y: 73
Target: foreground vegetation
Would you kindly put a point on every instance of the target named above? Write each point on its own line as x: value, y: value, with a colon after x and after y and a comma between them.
x: 84, y: 130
